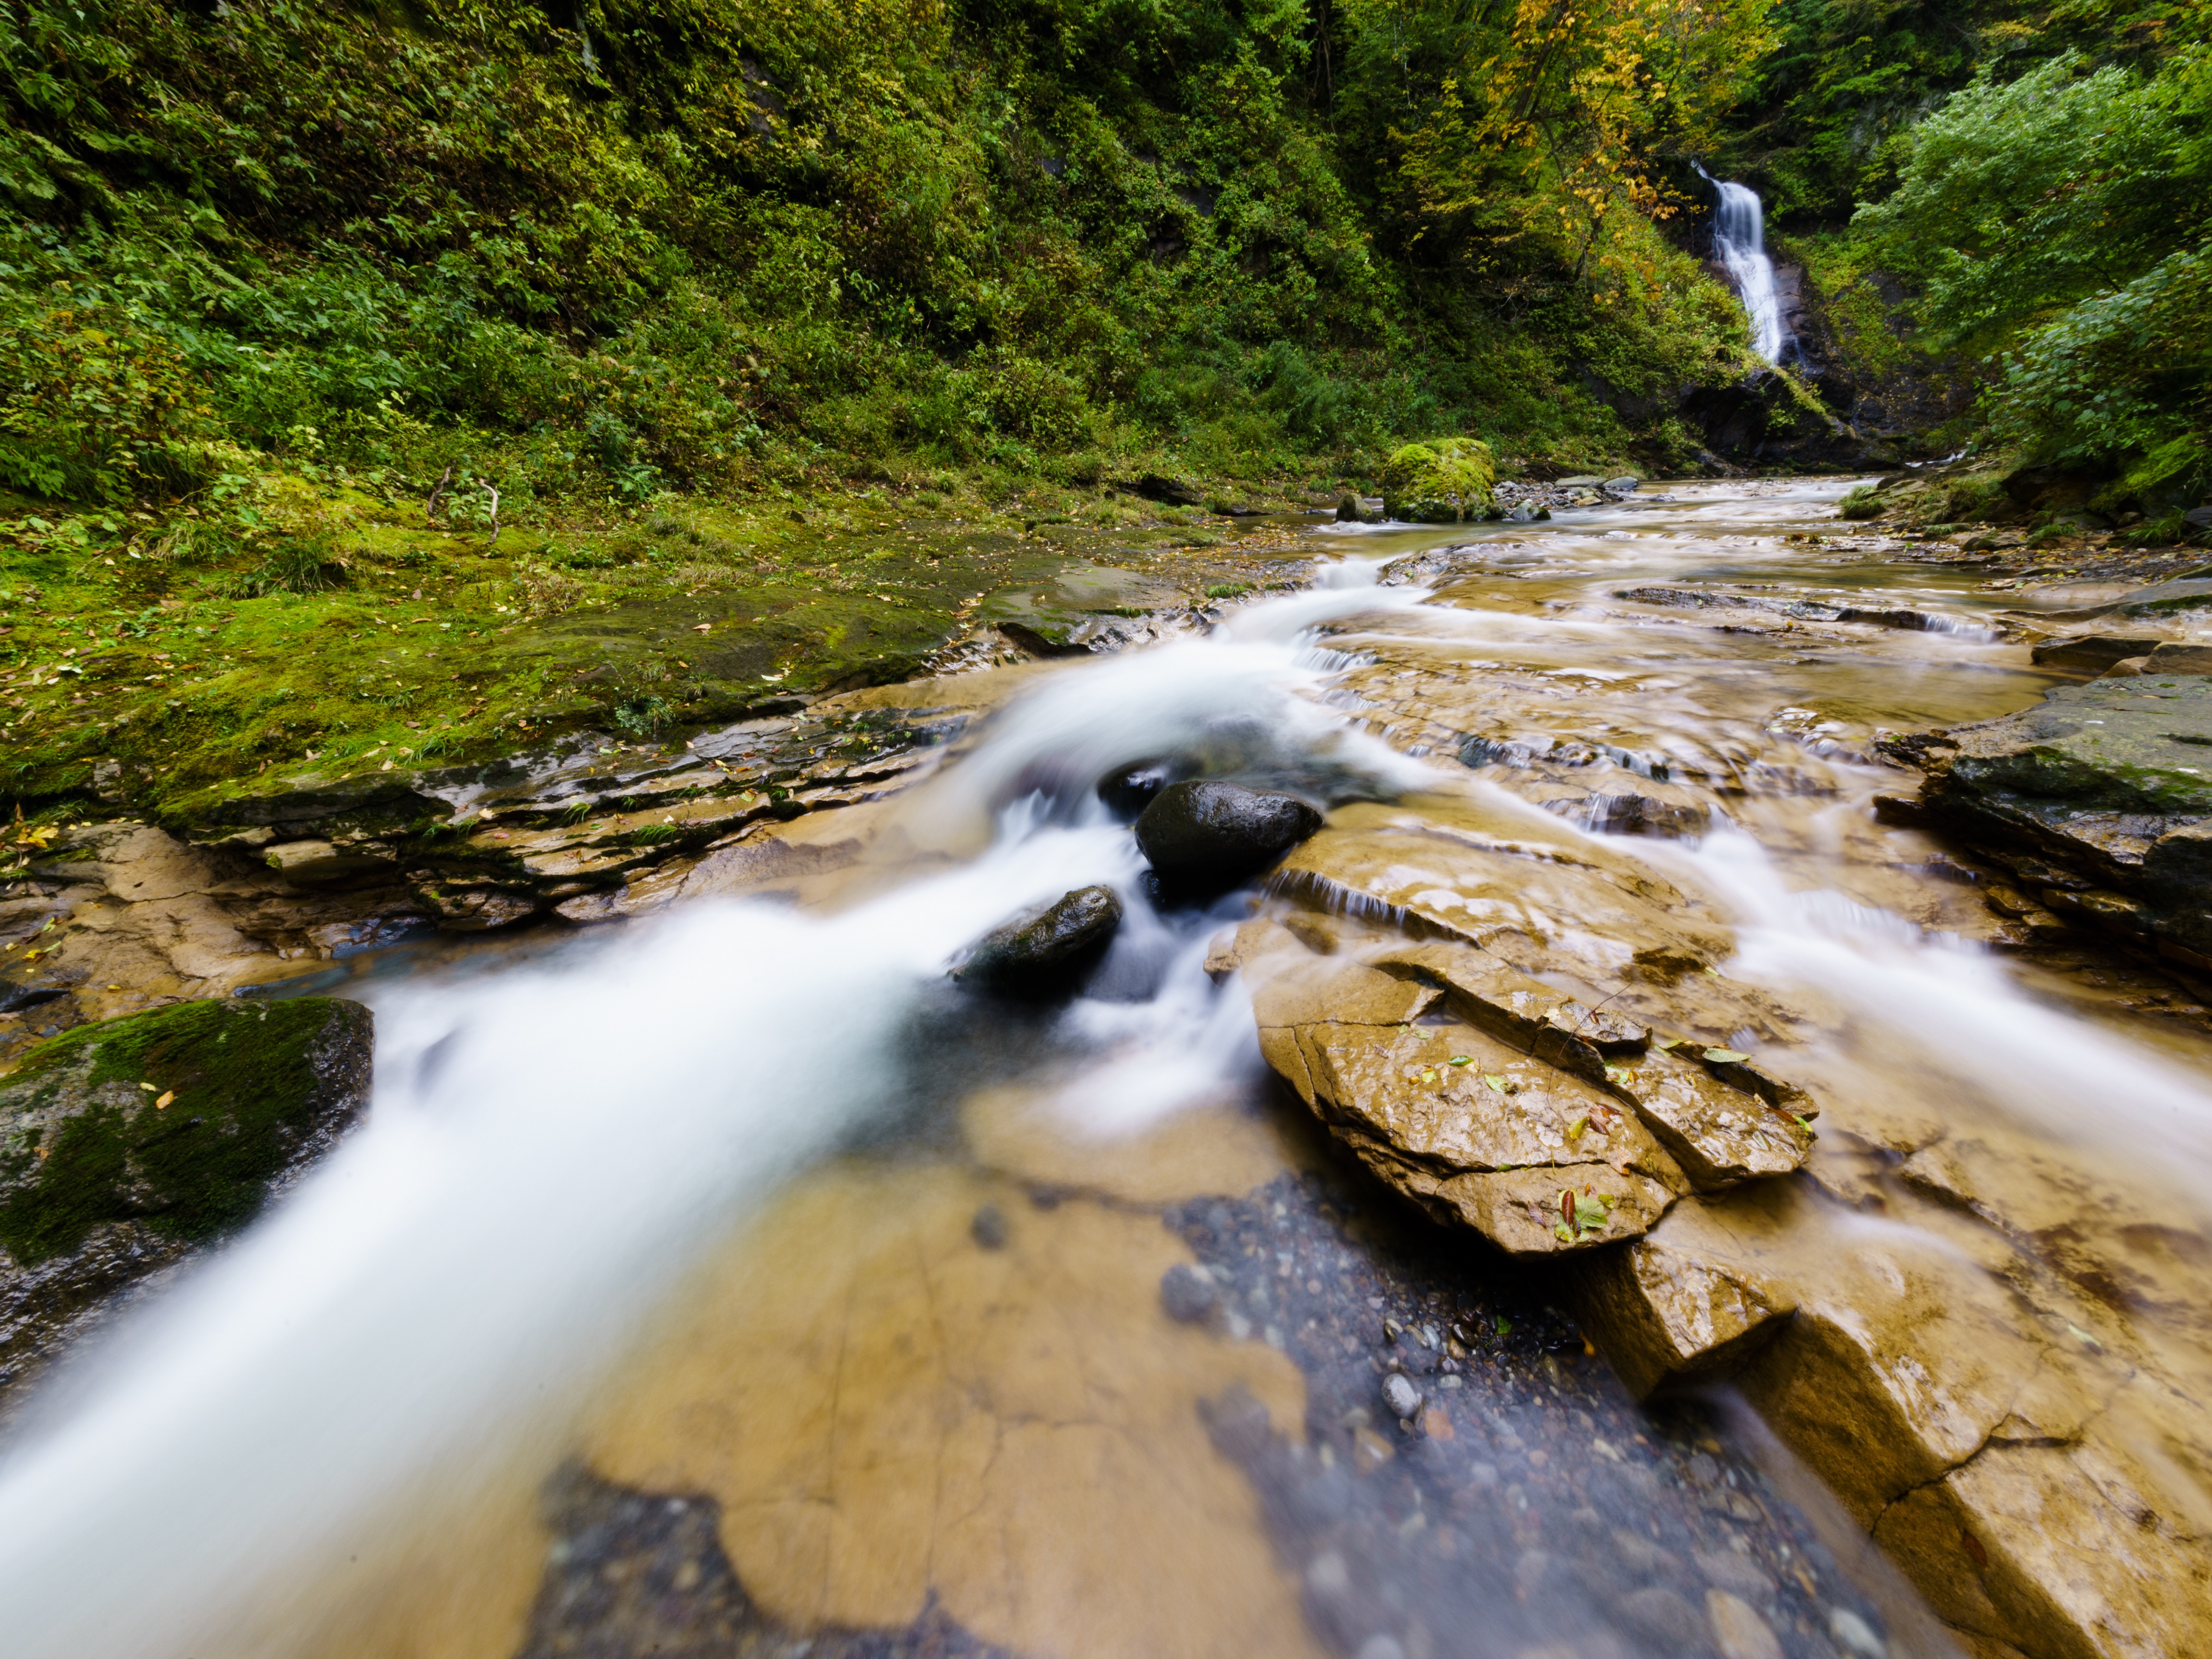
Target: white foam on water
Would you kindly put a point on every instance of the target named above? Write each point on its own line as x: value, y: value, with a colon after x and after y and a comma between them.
x: 1969, y: 1026
x: 548, y: 1149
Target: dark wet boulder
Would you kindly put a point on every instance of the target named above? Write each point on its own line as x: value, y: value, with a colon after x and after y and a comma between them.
x: 2101, y: 795
x: 125, y: 1144
x: 1130, y: 791
x: 1204, y: 833
x: 1045, y: 952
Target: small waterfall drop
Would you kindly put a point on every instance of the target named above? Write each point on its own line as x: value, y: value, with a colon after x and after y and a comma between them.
x: 1740, y: 240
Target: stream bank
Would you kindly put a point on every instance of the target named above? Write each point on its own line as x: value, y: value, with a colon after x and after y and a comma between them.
x: 1957, y: 1312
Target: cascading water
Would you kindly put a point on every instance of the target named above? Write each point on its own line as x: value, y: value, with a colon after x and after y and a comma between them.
x: 552, y: 1148
x: 1740, y: 240
x: 526, y: 1186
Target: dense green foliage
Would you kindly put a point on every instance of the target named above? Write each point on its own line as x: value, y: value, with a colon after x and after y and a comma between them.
x: 2062, y: 219
x: 2036, y: 177
x: 646, y: 244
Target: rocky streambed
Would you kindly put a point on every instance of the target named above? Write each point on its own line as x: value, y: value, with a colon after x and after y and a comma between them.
x: 1711, y: 1191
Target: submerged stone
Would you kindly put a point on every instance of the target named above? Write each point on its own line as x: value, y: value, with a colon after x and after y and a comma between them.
x: 1203, y: 833
x: 124, y: 1144
x: 1041, y: 952
x: 1128, y: 791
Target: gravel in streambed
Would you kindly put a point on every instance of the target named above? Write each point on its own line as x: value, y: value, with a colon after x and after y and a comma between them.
x: 632, y: 1574
x: 1469, y: 1481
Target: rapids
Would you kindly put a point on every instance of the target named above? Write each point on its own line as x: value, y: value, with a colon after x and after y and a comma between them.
x: 650, y: 1198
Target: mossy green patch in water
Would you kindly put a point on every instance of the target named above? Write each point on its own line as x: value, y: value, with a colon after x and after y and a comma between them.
x: 86, y: 1138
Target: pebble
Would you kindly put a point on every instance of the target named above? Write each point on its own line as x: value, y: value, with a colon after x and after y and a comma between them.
x: 1738, y: 1630
x: 1855, y: 1636
x: 1726, y: 1571
x: 1188, y: 1293
x: 1402, y: 1398
x: 988, y: 1228
x: 1663, y: 1616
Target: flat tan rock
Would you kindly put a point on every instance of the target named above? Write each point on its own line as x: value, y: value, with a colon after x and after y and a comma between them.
x: 911, y: 1415
x: 1666, y: 1313
x: 2034, y: 1485
x: 1719, y: 1133
x: 1473, y: 1129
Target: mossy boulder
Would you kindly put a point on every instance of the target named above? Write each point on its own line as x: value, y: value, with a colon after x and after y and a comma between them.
x: 1440, y: 482
x: 2101, y: 795
x: 125, y: 1144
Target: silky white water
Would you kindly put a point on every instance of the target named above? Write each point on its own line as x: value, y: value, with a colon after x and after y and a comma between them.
x: 547, y: 1151
x: 1740, y: 240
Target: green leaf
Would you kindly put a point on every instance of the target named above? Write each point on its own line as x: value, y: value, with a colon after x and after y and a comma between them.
x: 1724, y: 1056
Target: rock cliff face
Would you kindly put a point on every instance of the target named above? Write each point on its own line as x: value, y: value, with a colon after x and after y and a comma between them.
x: 125, y: 1144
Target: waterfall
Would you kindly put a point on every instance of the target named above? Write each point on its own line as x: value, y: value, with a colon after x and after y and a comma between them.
x: 1740, y: 239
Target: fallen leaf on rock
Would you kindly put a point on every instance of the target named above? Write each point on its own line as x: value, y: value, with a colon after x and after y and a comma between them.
x: 1724, y: 1056
x: 164, y: 1100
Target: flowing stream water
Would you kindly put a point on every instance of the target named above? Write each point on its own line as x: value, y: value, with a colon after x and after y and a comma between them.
x: 746, y: 1213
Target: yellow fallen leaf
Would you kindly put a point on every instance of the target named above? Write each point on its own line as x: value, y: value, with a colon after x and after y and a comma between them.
x: 165, y: 1099
x: 148, y: 1087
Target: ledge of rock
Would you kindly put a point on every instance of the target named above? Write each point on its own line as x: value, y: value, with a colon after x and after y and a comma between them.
x: 2022, y: 1477
x: 2111, y: 781
x: 1476, y: 1131
x: 124, y: 1144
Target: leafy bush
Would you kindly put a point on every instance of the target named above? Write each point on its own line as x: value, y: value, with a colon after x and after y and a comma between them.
x: 95, y: 407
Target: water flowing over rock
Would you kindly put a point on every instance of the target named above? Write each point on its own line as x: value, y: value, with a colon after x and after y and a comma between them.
x: 1740, y: 241
x: 1045, y: 952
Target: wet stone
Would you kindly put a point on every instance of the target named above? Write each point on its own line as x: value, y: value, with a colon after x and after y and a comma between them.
x: 1129, y: 791
x: 1045, y: 952
x: 1201, y: 834
x: 636, y: 1573
x: 1403, y: 1399
x: 988, y: 1228
x: 1535, y: 1507
x: 1187, y: 1294
x: 129, y: 1142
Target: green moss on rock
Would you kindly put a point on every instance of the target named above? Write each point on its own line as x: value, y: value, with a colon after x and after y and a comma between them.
x: 250, y: 1089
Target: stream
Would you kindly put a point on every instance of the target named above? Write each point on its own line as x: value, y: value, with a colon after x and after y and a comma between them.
x: 732, y: 1281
